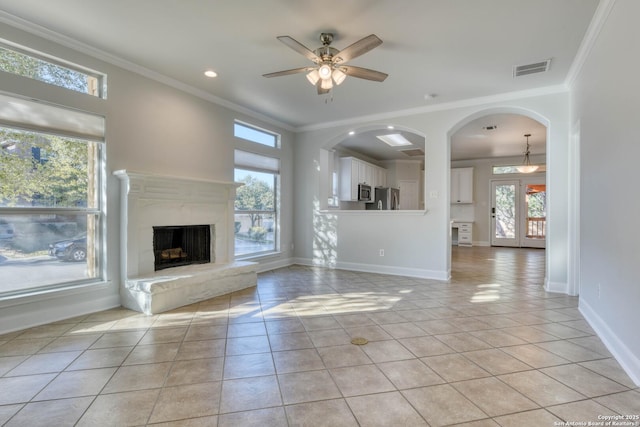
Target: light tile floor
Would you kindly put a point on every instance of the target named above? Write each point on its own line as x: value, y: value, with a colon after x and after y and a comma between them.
x: 489, y: 348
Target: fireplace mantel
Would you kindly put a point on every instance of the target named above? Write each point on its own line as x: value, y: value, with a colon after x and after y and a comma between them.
x: 148, y: 200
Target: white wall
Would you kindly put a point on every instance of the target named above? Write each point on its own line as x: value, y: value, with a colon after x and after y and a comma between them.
x: 150, y: 127
x: 419, y: 244
x: 605, y: 101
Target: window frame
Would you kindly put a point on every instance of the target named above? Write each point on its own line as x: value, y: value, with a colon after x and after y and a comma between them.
x: 253, y: 149
x: 276, y: 136
x: 97, y: 211
x: 100, y: 78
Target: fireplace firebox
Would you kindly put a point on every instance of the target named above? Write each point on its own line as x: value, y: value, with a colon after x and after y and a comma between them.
x: 179, y: 245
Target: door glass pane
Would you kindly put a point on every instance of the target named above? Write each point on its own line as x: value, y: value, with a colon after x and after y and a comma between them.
x: 536, y: 198
x: 505, y: 211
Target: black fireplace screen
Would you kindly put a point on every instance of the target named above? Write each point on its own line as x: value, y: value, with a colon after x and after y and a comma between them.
x: 174, y: 246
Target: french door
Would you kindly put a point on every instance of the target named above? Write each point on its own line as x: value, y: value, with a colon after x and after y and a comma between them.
x: 518, y: 213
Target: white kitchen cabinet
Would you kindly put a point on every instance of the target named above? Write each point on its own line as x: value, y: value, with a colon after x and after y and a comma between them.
x: 462, y: 185
x: 349, y: 173
x: 381, y: 177
x: 365, y: 172
x: 354, y: 171
x: 465, y: 233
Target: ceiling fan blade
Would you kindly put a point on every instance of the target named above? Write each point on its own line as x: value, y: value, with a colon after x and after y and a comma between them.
x: 321, y: 91
x: 287, y: 72
x: 363, y: 73
x: 358, y: 48
x: 300, y: 48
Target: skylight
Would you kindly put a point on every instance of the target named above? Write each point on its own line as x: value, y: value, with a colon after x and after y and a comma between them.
x: 394, y: 140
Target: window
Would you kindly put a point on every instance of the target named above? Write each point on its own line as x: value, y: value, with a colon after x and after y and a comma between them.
x: 50, y: 201
x: 256, y: 205
x: 54, y: 72
x: 254, y: 134
x: 501, y: 170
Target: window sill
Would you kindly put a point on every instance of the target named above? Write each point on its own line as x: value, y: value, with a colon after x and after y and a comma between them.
x: 38, y: 295
x: 259, y: 256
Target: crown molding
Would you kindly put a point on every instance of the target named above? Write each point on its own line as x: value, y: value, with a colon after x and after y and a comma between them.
x: 55, y: 37
x: 470, y: 102
x: 589, y: 40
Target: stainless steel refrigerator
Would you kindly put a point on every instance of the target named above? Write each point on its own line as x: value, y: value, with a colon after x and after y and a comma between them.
x: 386, y: 198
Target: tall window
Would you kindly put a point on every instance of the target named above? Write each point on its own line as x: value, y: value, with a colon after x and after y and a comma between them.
x: 257, y: 200
x: 50, y: 206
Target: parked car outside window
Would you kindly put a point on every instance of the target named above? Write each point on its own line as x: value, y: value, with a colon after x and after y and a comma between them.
x: 74, y: 249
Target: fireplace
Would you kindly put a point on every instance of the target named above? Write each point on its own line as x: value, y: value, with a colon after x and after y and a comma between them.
x: 177, y: 245
x: 183, y: 223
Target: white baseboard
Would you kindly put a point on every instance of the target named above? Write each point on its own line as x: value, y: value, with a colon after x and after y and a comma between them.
x: 556, y: 287
x: 481, y: 243
x: 381, y: 269
x: 625, y: 357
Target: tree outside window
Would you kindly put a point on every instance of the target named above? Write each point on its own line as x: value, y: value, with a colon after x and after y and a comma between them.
x: 255, y: 213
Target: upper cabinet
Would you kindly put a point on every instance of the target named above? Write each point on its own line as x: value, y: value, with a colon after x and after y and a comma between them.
x: 354, y: 171
x: 462, y: 185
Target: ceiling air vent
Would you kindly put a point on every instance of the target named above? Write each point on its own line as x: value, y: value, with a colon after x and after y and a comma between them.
x: 414, y: 152
x: 538, y: 67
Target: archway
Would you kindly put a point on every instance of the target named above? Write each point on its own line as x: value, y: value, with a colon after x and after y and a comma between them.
x: 364, y: 143
x: 485, y: 142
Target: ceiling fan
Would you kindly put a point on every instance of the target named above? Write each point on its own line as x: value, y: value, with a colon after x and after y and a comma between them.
x: 330, y: 67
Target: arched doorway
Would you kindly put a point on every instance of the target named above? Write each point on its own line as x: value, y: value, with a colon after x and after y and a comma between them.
x: 403, y: 165
x: 508, y: 207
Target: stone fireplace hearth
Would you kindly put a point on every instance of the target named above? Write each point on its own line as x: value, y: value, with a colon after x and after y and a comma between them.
x: 149, y: 201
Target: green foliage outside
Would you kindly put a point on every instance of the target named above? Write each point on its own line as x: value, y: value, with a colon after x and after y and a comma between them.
x: 505, y: 211
x: 37, y: 69
x: 258, y: 233
x: 254, y: 195
x: 58, y: 179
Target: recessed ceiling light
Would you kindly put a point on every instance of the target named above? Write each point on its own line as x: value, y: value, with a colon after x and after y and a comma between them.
x: 390, y: 127
x: 394, y: 140
x: 352, y: 132
x: 210, y: 73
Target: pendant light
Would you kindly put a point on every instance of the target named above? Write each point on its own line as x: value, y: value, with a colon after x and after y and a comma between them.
x: 526, y: 166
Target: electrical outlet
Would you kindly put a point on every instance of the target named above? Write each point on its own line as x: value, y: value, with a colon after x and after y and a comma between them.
x: 381, y: 252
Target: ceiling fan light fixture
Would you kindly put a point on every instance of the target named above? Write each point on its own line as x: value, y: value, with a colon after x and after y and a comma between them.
x: 313, y: 76
x: 326, y: 84
x: 338, y: 76
x: 329, y: 67
x: 325, y: 71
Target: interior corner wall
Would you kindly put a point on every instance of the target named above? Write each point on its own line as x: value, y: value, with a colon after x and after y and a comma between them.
x: 153, y: 128
x: 605, y: 99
